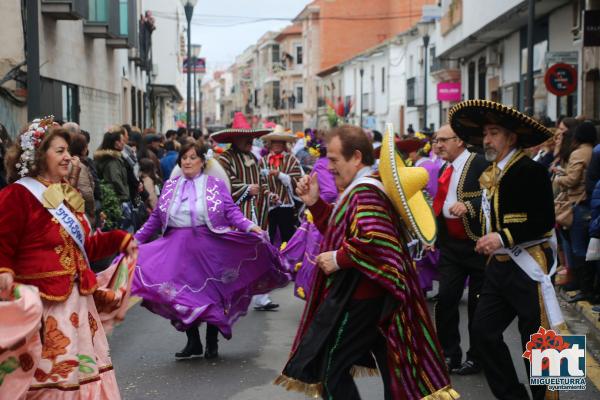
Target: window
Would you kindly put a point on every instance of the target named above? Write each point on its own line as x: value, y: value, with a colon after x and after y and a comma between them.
x: 299, y: 94
x: 299, y: 55
x: 431, y: 58
x: 133, y: 107
x: 383, y: 80
x: 481, y: 73
x: 123, y: 17
x: 275, y: 56
x: 411, y: 88
x: 98, y: 10
x: 69, y: 103
x: 276, y: 96
x: 471, y: 79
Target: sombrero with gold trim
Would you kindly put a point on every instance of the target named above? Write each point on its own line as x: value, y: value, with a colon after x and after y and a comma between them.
x: 239, y: 128
x: 279, y: 134
x: 404, y: 186
x: 469, y: 117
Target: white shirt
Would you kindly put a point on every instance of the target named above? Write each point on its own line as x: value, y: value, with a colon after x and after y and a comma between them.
x: 180, y: 215
x: 452, y: 197
x: 506, y: 159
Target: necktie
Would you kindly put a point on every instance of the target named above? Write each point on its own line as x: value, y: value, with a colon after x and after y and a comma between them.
x: 489, y: 179
x: 443, y: 185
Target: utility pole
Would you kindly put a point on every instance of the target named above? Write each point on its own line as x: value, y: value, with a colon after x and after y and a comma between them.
x: 32, y: 39
x: 529, y: 88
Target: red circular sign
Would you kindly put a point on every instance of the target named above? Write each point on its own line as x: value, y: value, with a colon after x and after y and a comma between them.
x: 561, y: 79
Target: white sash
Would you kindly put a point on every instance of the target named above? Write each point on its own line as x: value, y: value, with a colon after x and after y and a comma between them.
x: 62, y: 214
x: 530, y: 266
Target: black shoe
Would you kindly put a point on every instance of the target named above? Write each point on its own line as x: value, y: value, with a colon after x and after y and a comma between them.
x: 193, y: 347
x: 578, y: 297
x: 211, y: 352
x: 190, y: 351
x: 452, y: 365
x: 469, y: 367
x: 267, y: 307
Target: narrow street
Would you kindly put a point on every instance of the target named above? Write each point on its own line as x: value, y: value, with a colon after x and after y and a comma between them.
x: 143, y: 350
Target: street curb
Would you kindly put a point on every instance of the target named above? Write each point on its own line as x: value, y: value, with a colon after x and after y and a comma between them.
x: 584, y: 308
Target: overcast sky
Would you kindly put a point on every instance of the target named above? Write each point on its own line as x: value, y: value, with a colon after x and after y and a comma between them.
x: 220, y: 45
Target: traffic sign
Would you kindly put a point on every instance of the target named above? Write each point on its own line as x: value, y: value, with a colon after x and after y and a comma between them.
x: 561, y: 79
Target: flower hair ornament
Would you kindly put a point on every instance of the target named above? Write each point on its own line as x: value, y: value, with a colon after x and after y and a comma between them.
x: 30, y: 141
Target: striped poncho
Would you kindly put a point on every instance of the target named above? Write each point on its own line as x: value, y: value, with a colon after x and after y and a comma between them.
x: 243, y: 171
x: 365, y: 227
x: 291, y: 167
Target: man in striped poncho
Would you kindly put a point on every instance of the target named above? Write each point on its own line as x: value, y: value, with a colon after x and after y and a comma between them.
x: 249, y: 189
x: 366, y: 309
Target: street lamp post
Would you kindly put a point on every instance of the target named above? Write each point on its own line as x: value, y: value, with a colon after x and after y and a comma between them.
x: 362, y: 72
x: 425, y: 45
x: 188, y: 6
x: 423, y: 30
x: 195, y: 53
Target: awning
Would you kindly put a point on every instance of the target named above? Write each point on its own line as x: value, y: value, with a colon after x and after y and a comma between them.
x: 161, y: 90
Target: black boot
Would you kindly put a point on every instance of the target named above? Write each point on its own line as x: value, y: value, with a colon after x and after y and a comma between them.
x: 212, y: 340
x: 193, y: 348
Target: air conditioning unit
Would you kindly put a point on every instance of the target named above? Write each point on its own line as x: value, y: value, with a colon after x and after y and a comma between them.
x: 154, y: 70
x: 493, y: 57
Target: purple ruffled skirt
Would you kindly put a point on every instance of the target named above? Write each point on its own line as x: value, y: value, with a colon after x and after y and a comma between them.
x: 191, y: 278
x: 300, y: 256
x: 427, y: 268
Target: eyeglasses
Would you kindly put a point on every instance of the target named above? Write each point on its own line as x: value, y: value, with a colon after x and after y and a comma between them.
x: 443, y: 140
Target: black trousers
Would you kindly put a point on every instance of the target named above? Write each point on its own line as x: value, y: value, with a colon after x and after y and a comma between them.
x: 284, y: 220
x: 458, y: 261
x: 507, y: 293
x: 355, y: 338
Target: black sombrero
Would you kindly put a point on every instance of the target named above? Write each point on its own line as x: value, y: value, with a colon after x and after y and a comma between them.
x: 469, y: 117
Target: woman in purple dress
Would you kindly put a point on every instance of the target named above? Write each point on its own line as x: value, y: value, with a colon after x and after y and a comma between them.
x: 302, y: 249
x: 209, y: 261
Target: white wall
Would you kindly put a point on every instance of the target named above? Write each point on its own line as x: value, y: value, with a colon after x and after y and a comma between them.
x: 476, y: 15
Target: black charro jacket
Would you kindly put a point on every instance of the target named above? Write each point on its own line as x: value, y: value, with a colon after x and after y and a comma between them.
x: 522, y: 209
x: 468, y: 192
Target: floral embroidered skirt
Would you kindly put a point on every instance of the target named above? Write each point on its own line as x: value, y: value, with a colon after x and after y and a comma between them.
x: 75, y: 361
x: 190, y: 278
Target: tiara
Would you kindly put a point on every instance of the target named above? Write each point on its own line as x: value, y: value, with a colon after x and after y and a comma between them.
x: 30, y: 141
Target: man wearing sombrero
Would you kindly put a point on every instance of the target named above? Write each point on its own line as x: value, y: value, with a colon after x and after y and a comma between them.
x: 249, y: 188
x: 518, y: 220
x: 366, y: 313
x: 282, y: 171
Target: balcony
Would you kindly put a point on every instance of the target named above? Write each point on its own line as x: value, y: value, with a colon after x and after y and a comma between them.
x: 64, y: 9
x: 445, y: 70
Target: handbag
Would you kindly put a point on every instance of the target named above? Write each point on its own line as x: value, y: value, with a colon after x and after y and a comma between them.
x: 563, y: 210
x: 593, y: 250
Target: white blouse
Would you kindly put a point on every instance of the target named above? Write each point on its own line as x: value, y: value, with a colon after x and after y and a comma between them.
x: 179, y: 213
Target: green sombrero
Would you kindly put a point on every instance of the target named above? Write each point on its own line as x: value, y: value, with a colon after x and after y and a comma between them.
x: 469, y: 117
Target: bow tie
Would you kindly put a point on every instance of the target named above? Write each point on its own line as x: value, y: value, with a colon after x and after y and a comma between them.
x: 275, y: 160
x: 489, y: 179
x: 56, y: 193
